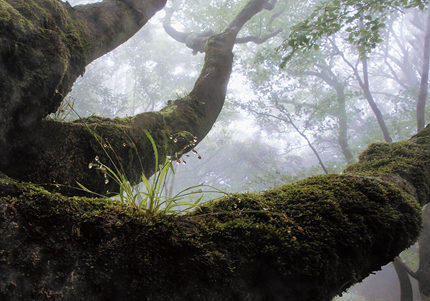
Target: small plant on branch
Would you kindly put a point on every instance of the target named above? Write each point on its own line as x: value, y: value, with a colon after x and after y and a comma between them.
x: 152, y: 199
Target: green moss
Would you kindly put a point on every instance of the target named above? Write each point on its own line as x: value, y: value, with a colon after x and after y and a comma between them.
x: 4, y: 15
x: 44, y: 45
x: 94, y: 119
x: 185, y: 113
x: 303, y: 241
x: 11, y: 187
x: 308, y: 226
x: 408, y: 159
x: 423, y: 137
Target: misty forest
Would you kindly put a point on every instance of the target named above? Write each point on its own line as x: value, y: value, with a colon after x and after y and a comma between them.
x: 214, y: 150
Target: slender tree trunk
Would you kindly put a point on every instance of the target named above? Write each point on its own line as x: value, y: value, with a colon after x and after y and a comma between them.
x: 366, y: 89
x: 422, y: 97
x: 343, y: 125
x: 422, y: 275
x: 364, y: 85
x: 332, y: 81
x: 406, y: 293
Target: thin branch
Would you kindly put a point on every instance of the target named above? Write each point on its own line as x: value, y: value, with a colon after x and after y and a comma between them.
x: 197, y: 41
x: 274, y: 16
x: 290, y: 121
x: 258, y: 40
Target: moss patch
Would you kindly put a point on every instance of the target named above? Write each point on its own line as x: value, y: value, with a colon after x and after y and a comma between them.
x: 408, y: 159
x: 41, y: 55
x: 304, y: 241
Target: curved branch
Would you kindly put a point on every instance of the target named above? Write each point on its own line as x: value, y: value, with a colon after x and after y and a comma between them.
x: 194, y: 41
x: 61, y: 152
x: 258, y: 40
x: 274, y: 16
x: 48, y: 44
x: 406, y: 293
x: 270, y: 5
x: 305, y: 241
x: 111, y: 23
x: 197, y: 41
x: 321, y: 163
x: 181, y: 37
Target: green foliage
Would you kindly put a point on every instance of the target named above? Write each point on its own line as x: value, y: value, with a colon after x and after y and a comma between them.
x: 362, y: 20
x: 152, y: 199
x: 64, y: 111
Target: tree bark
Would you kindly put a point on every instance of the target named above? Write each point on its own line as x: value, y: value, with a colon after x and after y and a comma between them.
x: 406, y: 293
x: 366, y: 89
x: 45, y: 46
x: 59, y: 152
x: 301, y: 133
x: 306, y: 241
x: 197, y: 41
x: 309, y: 240
x: 422, y: 96
x: 364, y: 85
x: 423, y: 273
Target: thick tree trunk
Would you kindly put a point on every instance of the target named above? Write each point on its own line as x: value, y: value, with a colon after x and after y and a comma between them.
x: 45, y: 46
x: 59, y: 152
x: 306, y: 241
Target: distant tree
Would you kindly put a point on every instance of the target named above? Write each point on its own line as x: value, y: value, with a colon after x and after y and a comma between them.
x: 365, y: 23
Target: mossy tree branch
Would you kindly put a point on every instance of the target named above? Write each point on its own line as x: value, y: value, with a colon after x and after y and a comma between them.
x: 309, y: 240
x: 45, y: 46
x: 60, y: 152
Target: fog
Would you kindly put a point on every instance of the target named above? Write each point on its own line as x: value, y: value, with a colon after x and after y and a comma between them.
x: 277, y: 125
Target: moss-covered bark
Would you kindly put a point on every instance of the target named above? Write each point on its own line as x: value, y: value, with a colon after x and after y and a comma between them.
x: 59, y: 152
x: 44, y: 47
x: 306, y: 241
x: 309, y: 240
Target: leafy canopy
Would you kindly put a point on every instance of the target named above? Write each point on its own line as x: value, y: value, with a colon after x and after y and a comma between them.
x: 363, y: 20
